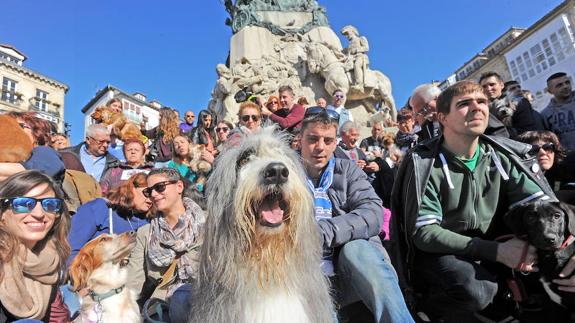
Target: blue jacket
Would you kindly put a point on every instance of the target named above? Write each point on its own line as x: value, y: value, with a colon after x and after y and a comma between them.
x: 91, y: 220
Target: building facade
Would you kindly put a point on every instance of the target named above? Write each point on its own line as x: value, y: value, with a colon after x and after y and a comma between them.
x: 545, y: 48
x: 529, y: 56
x: 135, y: 107
x: 24, y: 90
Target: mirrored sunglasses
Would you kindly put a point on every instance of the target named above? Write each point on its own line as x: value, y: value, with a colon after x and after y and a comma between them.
x: 158, y: 187
x: 314, y: 111
x: 27, y: 204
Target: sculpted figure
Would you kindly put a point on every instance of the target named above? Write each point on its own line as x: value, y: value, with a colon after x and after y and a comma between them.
x: 357, y: 51
x: 221, y: 90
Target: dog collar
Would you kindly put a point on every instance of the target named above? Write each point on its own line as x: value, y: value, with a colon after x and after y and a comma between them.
x: 100, y: 297
x: 567, y: 242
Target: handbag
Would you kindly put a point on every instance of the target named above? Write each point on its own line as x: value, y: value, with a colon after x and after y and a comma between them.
x: 151, y: 284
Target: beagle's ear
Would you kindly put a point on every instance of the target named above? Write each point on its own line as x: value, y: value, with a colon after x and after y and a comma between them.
x: 514, y: 219
x: 569, y: 216
x: 80, y: 270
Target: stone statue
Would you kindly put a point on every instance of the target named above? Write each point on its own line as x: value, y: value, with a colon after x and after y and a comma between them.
x: 357, y: 52
x: 289, y: 42
x: 221, y: 91
x: 376, y: 92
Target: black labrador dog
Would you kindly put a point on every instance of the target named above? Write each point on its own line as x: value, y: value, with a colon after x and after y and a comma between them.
x: 549, y: 227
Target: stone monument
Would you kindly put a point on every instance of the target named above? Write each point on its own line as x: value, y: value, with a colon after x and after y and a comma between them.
x: 289, y: 42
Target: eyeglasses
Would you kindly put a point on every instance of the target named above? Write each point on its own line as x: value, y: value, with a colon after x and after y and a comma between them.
x: 314, y: 111
x: 206, y: 117
x: 272, y: 102
x: 158, y: 187
x: 27, y: 204
x: 190, y: 116
x: 100, y: 142
x: 548, y: 147
x: 247, y: 117
x: 338, y: 96
x: 222, y: 129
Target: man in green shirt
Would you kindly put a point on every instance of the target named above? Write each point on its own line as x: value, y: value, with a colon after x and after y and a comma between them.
x: 462, y: 183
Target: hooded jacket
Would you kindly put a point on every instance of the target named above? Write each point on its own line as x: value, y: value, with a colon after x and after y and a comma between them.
x: 410, y: 185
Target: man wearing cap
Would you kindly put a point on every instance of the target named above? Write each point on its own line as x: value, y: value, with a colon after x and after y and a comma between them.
x: 349, y: 215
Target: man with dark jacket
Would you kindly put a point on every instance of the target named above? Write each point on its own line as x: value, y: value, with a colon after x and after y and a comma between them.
x: 447, y: 206
x: 349, y: 215
x: 93, y: 153
x: 515, y: 112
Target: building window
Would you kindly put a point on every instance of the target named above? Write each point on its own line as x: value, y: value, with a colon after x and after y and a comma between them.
x: 41, y: 98
x: 9, y: 90
x: 557, y: 46
x: 566, y: 40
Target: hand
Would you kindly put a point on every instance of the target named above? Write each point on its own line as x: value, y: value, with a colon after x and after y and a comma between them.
x: 207, y: 156
x: 266, y: 111
x: 371, y: 167
x: 509, y: 253
x: 567, y: 284
x: 360, y: 163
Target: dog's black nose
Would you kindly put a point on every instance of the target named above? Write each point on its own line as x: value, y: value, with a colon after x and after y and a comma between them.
x: 275, y: 173
x: 550, y: 239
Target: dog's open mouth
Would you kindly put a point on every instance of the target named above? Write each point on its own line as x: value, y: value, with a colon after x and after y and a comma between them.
x: 272, y: 210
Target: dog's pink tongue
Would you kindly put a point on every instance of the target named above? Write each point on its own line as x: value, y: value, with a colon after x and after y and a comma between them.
x: 271, y: 212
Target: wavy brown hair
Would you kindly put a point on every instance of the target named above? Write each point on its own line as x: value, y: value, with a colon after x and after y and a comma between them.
x: 122, y: 197
x: 18, y: 185
x: 169, y: 124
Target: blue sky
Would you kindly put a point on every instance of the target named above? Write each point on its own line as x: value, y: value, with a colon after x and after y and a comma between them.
x: 168, y: 49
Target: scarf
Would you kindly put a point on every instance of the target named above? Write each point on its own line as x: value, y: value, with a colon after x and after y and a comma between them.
x: 29, y: 279
x: 323, y: 209
x: 322, y: 203
x: 165, y: 243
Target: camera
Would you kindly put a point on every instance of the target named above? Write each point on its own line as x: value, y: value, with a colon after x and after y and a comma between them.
x: 242, y: 95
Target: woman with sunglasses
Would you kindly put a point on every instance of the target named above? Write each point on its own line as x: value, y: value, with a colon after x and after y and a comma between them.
x: 250, y: 121
x: 125, y: 209
x: 171, y: 240
x: 550, y: 155
x: 33, y: 248
x: 273, y: 104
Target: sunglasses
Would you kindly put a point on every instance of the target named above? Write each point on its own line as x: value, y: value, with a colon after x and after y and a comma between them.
x: 158, y: 187
x: 223, y: 129
x: 315, y: 111
x: 272, y: 102
x: 337, y: 96
x: 27, y: 204
x: 247, y: 117
x: 548, y: 147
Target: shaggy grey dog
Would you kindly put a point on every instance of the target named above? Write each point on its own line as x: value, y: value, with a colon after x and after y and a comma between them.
x: 260, y: 259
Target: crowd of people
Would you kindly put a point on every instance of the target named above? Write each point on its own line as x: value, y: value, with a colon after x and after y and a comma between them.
x: 428, y: 189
